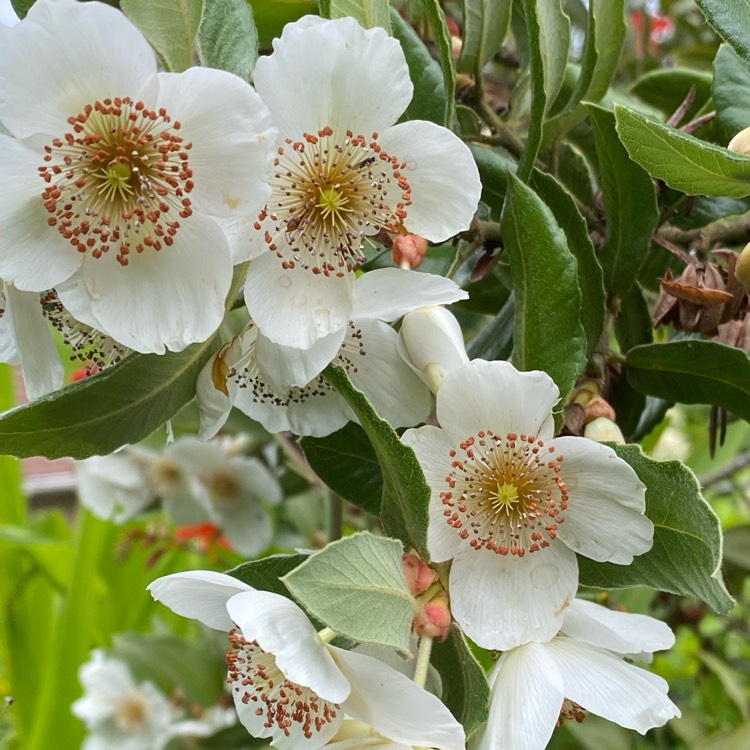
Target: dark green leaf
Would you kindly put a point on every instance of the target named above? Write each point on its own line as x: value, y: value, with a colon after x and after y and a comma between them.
x: 264, y: 574
x: 731, y: 20
x: 227, y: 38
x: 590, y: 280
x: 574, y: 172
x: 666, y: 88
x: 554, y: 41
x: 731, y: 89
x: 465, y: 689
x: 21, y: 7
x: 538, y: 76
x: 484, y: 28
x: 686, y: 556
x: 693, y: 372
x: 346, y: 462
x: 589, y: 57
x: 495, y: 340
x: 548, y: 334
x: 272, y: 15
x: 428, y: 102
x: 170, y: 27
x: 405, y: 491
x: 493, y: 169
x: 436, y: 16
x: 629, y: 203
x: 368, y: 12
x: 685, y: 163
x: 99, y: 414
x: 633, y: 323
x: 610, y: 38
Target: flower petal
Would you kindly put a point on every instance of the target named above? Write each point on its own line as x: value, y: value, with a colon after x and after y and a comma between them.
x: 494, y: 395
x: 376, y: 368
x: 389, y: 293
x: 333, y: 73
x: 395, y: 706
x: 604, y: 519
x: 442, y: 175
x: 622, y: 632
x: 43, y: 372
x: 285, y: 366
x: 527, y: 694
x: 294, y: 307
x: 609, y: 687
x: 503, y: 601
x: 232, y: 146
x: 281, y: 628
x: 200, y: 595
x: 166, y: 299
x: 432, y: 447
x: 33, y: 255
x: 73, y: 54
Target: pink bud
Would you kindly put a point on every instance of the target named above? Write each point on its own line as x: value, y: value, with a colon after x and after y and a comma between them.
x: 419, y: 576
x: 435, y: 619
x: 409, y: 251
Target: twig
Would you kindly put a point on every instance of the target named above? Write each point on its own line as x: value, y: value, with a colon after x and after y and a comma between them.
x: 725, y: 472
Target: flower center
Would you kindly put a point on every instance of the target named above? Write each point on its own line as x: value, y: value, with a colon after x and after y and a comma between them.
x: 253, y: 673
x: 505, y: 493
x: 119, y: 180
x: 131, y: 712
x: 330, y: 191
x: 571, y: 711
x: 97, y: 350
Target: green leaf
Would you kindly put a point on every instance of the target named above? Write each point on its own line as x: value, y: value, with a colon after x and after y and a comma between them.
x: 465, y: 689
x: 629, y: 203
x: 666, y: 89
x: 731, y: 89
x: 21, y: 7
x: 484, y: 28
x: 369, y: 13
x: 495, y: 340
x: 611, y: 31
x: 589, y: 57
x: 554, y: 41
x: 590, y: 279
x: 682, y: 161
x: 731, y: 20
x: 265, y: 574
x: 693, y: 372
x: 346, y: 462
x: 428, y: 102
x: 169, y: 26
x: 538, y: 76
x: 737, y: 546
x: 548, y: 334
x: 357, y: 587
x: 436, y: 16
x: 227, y: 38
x: 99, y: 414
x: 272, y: 15
x: 405, y: 492
x: 493, y: 169
x: 686, y: 556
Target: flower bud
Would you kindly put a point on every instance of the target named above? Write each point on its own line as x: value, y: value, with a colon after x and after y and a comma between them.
x: 408, y: 251
x: 434, y: 620
x: 740, y: 144
x: 597, y: 407
x: 419, y: 575
x: 603, y: 430
x: 742, y: 269
x: 431, y: 343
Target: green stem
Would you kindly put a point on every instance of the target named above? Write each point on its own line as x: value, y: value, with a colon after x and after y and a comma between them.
x: 423, y: 660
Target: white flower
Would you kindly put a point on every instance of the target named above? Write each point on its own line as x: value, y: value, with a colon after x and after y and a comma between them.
x: 288, y: 684
x: 431, y: 342
x: 116, y: 487
x: 582, y: 667
x: 281, y: 388
x: 118, y: 178
x: 355, y: 735
x: 344, y: 171
x: 511, y: 505
x: 229, y: 489
x: 120, y: 714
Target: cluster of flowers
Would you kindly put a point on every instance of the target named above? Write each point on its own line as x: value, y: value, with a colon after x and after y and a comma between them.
x: 129, y: 199
x: 196, y: 483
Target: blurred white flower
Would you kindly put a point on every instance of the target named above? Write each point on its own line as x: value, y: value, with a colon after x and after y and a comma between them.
x: 291, y: 686
x: 511, y: 505
x: 431, y: 342
x: 119, y: 713
x: 344, y: 171
x: 281, y: 387
x: 118, y: 179
x: 581, y: 669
